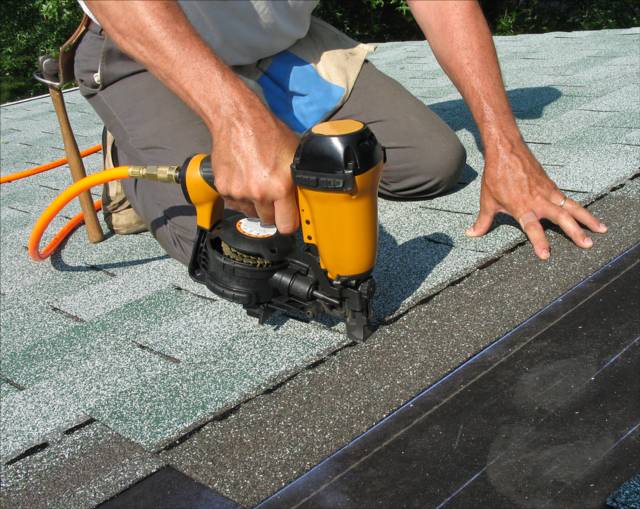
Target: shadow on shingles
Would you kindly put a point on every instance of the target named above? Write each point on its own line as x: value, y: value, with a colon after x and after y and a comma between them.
x: 402, y: 268
x: 60, y: 265
x: 526, y: 103
x: 400, y: 271
x: 468, y: 175
x: 502, y: 219
x: 279, y: 319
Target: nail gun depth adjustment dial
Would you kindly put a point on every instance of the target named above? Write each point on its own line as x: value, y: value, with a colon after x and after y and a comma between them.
x: 252, y: 227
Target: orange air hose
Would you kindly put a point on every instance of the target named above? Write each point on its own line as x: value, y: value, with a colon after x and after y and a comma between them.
x: 46, y: 167
x: 121, y: 172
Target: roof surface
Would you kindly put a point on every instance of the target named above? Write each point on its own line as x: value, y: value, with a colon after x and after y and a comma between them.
x: 117, y: 333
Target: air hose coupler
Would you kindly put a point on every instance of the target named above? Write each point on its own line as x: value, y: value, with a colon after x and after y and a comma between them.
x: 168, y: 174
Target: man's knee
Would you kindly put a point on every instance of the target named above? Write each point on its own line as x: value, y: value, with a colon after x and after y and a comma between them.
x: 426, y: 171
x: 452, y: 162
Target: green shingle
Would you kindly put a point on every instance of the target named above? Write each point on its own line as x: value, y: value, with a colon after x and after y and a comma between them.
x: 49, y: 280
x: 42, y: 358
x: 83, y: 379
x: 24, y: 321
x: 161, y: 408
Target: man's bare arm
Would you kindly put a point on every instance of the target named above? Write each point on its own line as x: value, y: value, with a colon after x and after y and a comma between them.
x: 252, y: 149
x: 513, y: 181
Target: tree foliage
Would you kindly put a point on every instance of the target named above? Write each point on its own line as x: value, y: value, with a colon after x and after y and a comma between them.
x: 371, y: 20
x: 30, y: 28
x: 509, y: 17
x: 390, y: 20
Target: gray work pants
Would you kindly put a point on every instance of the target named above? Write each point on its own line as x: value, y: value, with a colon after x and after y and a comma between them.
x: 151, y: 125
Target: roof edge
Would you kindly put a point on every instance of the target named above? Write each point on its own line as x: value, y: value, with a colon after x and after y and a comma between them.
x: 35, y: 98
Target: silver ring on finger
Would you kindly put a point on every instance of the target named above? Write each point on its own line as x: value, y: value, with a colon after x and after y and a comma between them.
x: 562, y: 202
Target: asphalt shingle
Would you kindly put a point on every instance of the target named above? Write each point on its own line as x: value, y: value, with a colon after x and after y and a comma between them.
x: 83, y: 469
x: 33, y: 417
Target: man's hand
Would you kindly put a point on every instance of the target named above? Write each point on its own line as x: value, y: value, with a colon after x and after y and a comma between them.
x: 252, y: 154
x: 513, y: 182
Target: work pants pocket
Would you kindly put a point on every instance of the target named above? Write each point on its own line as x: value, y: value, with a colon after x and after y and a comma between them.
x: 99, y: 62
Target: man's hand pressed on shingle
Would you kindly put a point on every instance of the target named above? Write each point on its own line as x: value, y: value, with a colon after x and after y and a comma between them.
x: 515, y: 183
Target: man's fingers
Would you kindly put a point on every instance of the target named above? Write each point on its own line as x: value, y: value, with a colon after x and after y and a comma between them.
x: 266, y: 213
x: 532, y: 227
x: 562, y: 217
x: 584, y: 216
x: 287, y: 217
x: 482, y: 224
x: 245, y: 208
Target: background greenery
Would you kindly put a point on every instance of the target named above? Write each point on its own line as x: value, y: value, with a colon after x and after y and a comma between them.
x: 29, y: 28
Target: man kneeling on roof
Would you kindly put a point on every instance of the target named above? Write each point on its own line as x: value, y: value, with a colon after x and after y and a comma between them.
x: 243, y: 79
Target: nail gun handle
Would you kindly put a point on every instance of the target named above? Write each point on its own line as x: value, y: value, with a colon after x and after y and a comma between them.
x: 198, y: 186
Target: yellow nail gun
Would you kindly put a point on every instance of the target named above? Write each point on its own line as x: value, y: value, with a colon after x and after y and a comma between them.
x: 336, y: 169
